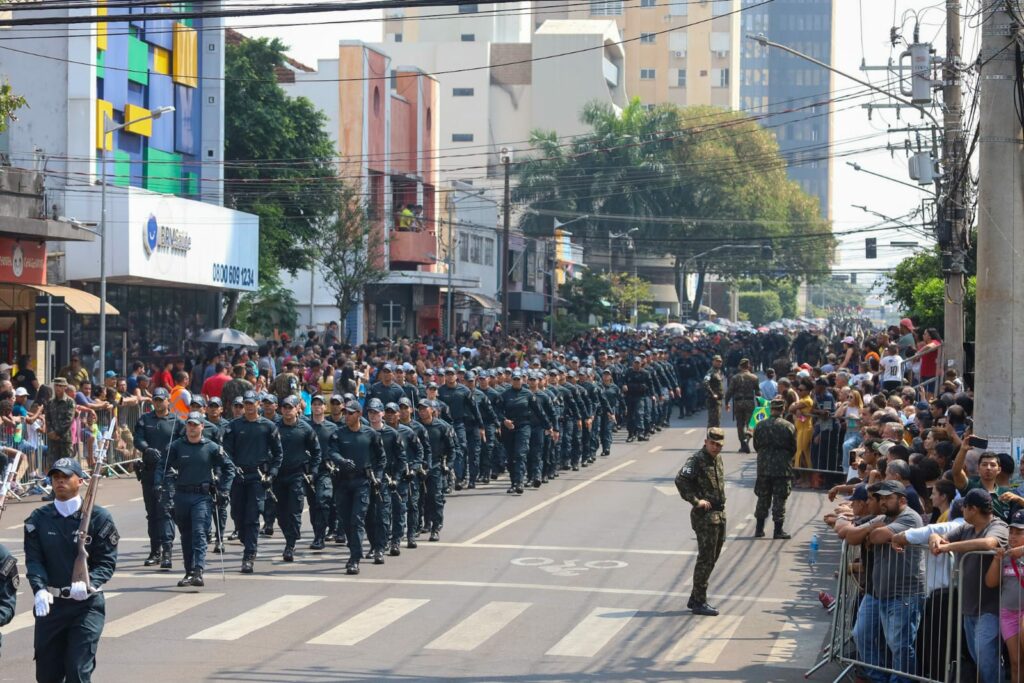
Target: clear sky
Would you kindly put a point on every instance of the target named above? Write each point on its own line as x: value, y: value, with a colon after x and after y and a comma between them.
x: 863, y: 36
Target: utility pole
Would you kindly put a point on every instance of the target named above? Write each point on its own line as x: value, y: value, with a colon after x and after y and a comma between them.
x: 506, y: 160
x: 554, y: 288
x: 952, y: 224
x: 449, y: 316
x: 999, y: 388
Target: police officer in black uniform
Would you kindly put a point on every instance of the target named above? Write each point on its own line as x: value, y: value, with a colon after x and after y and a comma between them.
x: 405, y: 482
x: 357, y: 453
x: 443, y: 445
x: 464, y: 413
x: 519, y: 406
x: 395, y: 467
x: 320, y: 495
x: 254, y: 444
x: 300, y: 459
x: 153, y: 434
x: 215, y: 416
x: 197, y: 470
x: 386, y: 390
x: 8, y: 587
x: 69, y: 615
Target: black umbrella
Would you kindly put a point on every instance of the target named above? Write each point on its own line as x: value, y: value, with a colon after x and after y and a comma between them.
x: 226, y: 336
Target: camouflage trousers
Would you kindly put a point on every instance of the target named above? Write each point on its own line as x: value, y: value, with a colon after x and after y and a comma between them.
x: 714, y: 414
x: 710, y: 530
x: 772, y: 493
x: 742, y: 411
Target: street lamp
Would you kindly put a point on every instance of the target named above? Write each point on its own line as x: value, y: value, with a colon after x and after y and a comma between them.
x: 616, y: 236
x: 107, y: 130
x: 857, y: 167
x: 554, y: 274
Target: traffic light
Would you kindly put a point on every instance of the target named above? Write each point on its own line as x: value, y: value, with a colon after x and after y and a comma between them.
x: 767, y: 253
x: 871, y: 247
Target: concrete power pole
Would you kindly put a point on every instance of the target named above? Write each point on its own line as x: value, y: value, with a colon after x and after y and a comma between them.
x: 952, y: 221
x: 506, y: 160
x: 999, y: 359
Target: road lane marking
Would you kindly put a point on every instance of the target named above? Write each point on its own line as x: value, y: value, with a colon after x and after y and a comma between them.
x: 668, y: 490
x: 785, y: 644
x: 153, y: 614
x: 575, y: 549
x: 690, y: 431
x: 27, y: 618
x: 654, y: 450
x: 16, y: 526
x: 360, y: 627
x: 540, y: 506
x: 704, y: 643
x: 593, y: 633
x: 477, y: 628
x: 256, y: 618
x: 133, y: 500
x: 298, y: 578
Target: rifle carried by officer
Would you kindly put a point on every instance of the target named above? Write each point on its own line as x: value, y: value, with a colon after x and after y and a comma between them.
x: 80, y: 572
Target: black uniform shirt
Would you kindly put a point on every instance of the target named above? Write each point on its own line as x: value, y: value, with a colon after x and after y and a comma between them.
x: 252, y: 444
x: 50, y: 547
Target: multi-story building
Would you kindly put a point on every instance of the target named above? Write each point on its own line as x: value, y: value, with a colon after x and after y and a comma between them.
x: 172, y: 250
x: 794, y: 91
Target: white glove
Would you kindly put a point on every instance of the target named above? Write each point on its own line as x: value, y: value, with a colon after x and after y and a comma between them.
x: 43, y: 602
x: 79, y: 591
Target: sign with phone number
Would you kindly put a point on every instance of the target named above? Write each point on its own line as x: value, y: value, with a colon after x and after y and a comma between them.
x: 233, y: 275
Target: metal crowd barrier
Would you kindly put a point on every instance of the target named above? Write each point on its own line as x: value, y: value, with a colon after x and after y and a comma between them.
x: 955, y: 629
x: 823, y: 452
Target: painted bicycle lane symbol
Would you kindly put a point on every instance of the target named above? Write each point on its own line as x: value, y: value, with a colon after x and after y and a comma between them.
x: 567, y: 567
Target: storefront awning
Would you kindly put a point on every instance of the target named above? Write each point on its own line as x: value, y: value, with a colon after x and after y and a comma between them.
x: 77, y: 300
x: 485, y: 301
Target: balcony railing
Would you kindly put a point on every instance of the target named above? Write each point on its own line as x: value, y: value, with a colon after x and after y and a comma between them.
x: 409, y: 249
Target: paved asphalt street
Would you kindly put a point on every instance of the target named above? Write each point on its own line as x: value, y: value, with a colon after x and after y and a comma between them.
x: 584, y: 579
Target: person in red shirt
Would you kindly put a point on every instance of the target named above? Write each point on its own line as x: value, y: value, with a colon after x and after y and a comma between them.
x: 214, y: 384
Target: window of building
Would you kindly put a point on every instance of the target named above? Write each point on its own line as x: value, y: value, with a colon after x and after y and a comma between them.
x: 468, y: 37
x: 462, y: 92
x: 398, y: 37
x: 681, y: 78
x: 650, y: 107
x: 646, y: 74
x: 390, y: 316
x: 720, y: 43
x: 719, y: 78
x: 464, y: 247
x: 394, y: 79
x: 677, y: 43
x: 476, y: 246
x: 720, y: 7
x: 647, y: 37
x: 469, y: 9
x: 678, y: 8
x: 606, y: 8
x: 648, y: 3
x: 488, y: 251
x: 462, y: 137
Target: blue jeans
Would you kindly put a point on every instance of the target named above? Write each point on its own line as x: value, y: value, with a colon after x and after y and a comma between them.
x: 892, y: 623
x: 852, y: 441
x: 982, y: 634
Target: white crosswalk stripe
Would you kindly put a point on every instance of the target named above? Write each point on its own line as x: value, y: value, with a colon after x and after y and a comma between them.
x: 477, y: 628
x: 257, y: 618
x: 365, y: 624
x: 704, y: 643
x: 27, y: 618
x: 153, y: 614
x: 593, y: 633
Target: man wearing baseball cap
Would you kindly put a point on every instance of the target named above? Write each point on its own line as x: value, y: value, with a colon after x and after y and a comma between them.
x: 300, y: 459
x: 69, y: 614
x: 153, y: 434
x: 775, y: 445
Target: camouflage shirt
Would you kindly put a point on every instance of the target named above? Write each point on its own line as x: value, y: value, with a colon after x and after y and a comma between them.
x: 713, y: 384
x: 702, y: 478
x: 286, y: 384
x: 60, y: 414
x: 775, y: 443
x: 743, y: 387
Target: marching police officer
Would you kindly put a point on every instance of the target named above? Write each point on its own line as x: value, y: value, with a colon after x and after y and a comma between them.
x: 8, y: 587
x: 775, y: 443
x: 69, y: 615
x: 191, y: 463
x: 395, y: 468
x: 321, y: 495
x: 386, y: 390
x: 743, y: 390
x: 300, y: 462
x: 254, y: 445
x: 419, y: 457
x: 399, y: 492
x: 519, y: 406
x: 713, y: 386
x: 442, y: 446
x: 612, y: 397
x: 636, y: 386
x: 538, y: 435
x: 701, y: 483
x: 154, y: 433
x: 357, y: 453
x: 464, y: 415
x: 215, y: 416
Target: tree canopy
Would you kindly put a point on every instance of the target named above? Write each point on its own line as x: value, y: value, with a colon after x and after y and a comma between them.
x: 689, y: 179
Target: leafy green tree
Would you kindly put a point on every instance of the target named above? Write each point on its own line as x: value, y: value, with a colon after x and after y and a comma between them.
x: 9, y: 104
x: 586, y: 296
x: 916, y: 286
x: 719, y: 173
x: 279, y: 160
x: 270, y: 308
x: 760, y: 307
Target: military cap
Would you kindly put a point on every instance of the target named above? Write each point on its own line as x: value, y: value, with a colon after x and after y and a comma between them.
x: 777, y: 402
x: 388, y: 367
x: 337, y: 398
x: 159, y: 394
x: 391, y: 407
x: 216, y: 401
x: 716, y: 434
x: 197, y: 401
x: 348, y: 396
x: 408, y: 367
x: 404, y: 401
x: 316, y: 397
x: 517, y: 374
x: 250, y: 397
x: 470, y: 376
x: 195, y: 418
x: 67, y: 466
x: 59, y: 382
x: 553, y: 372
x: 744, y: 362
x: 606, y: 371
x: 237, y: 401
x: 375, y: 405
x: 572, y: 373
x: 450, y: 370
x: 353, y: 407
x: 425, y: 403
x: 292, y: 401
x: 269, y: 398
x: 431, y: 385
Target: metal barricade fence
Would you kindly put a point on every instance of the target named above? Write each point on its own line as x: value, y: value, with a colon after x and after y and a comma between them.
x: 892, y: 614
x: 820, y: 448
x: 990, y: 605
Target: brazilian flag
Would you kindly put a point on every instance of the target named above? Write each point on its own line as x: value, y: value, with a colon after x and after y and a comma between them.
x: 760, y: 412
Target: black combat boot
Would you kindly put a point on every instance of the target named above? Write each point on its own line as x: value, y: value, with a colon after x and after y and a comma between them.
x: 165, y: 558
x: 394, y: 550
x: 779, y: 533
x: 197, y: 578
x: 154, y: 558
x: 378, y: 556
x: 759, y: 530
x: 185, y: 580
x: 247, y: 564
x: 289, y: 554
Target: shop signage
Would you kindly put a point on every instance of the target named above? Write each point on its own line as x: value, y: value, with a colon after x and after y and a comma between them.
x: 163, y: 238
x: 22, y: 261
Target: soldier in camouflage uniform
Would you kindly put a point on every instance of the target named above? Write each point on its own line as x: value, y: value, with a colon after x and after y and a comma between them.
x: 60, y: 415
x: 287, y: 383
x: 743, y: 388
x: 701, y: 483
x: 715, y: 389
x: 775, y: 443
